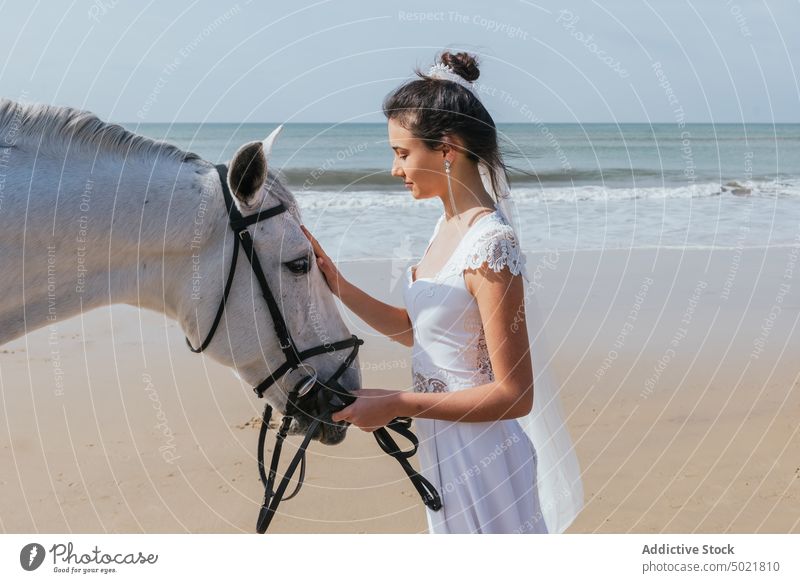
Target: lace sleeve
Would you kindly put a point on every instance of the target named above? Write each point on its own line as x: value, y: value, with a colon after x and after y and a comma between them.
x: 498, y: 247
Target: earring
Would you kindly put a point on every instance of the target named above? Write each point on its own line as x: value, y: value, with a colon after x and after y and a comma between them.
x: 450, y: 187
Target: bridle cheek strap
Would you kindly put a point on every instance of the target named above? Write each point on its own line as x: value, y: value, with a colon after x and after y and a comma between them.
x: 292, y: 358
x: 339, y: 398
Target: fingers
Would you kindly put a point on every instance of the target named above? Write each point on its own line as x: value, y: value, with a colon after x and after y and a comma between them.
x: 341, y: 415
x: 314, y: 242
x: 320, y: 254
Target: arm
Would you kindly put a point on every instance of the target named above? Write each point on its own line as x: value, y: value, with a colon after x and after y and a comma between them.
x: 388, y: 320
x: 500, y: 299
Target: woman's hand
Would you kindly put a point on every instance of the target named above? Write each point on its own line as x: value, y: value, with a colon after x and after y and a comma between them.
x: 373, y: 409
x: 332, y: 276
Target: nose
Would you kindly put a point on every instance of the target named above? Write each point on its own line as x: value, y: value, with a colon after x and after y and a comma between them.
x: 396, y: 170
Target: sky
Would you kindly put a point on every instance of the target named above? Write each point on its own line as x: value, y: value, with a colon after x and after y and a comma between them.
x: 617, y: 61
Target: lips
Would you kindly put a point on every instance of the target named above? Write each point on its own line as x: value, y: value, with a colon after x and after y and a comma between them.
x: 329, y: 432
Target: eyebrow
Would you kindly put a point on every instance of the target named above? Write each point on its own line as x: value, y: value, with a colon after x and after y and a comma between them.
x: 395, y: 148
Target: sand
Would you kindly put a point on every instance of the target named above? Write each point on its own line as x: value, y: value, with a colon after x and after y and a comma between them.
x: 679, y: 379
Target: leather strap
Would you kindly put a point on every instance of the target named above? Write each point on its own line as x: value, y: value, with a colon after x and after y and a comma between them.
x: 340, y: 398
x: 273, y: 498
x: 402, y: 425
x: 284, y: 338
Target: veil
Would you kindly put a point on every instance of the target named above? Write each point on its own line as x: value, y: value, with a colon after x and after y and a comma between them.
x: 558, y: 472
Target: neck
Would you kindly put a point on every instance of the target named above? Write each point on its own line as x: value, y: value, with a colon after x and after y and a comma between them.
x: 468, y: 192
x: 103, y: 233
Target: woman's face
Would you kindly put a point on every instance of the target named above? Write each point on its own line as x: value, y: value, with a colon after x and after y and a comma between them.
x: 421, y: 168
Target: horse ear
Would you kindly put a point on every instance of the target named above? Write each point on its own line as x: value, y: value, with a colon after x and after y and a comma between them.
x: 248, y: 172
x: 269, y: 140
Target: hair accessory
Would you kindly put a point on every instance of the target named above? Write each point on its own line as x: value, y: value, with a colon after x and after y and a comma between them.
x: 442, y: 71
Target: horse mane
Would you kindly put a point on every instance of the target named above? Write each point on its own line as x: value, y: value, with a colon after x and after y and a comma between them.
x: 56, y: 130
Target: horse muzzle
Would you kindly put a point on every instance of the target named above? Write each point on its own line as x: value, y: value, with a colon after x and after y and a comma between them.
x: 311, y: 399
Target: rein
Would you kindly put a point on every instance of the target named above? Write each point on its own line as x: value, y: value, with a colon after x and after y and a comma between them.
x: 308, y: 391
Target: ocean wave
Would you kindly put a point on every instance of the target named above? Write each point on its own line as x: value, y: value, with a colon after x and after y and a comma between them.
x: 304, y: 179
x: 322, y: 199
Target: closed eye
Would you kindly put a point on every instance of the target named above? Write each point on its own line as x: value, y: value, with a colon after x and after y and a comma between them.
x: 299, y: 266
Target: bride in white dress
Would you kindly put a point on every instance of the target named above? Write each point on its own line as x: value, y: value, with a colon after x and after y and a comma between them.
x: 492, y: 441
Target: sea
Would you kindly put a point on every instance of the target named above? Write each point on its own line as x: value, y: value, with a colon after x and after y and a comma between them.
x: 575, y: 186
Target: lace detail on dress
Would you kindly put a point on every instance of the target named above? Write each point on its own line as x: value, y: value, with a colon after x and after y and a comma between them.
x: 426, y: 384
x: 437, y: 380
x: 477, y: 351
x: 498, y: 247
x: 483, y: 364
x: 495, y: 244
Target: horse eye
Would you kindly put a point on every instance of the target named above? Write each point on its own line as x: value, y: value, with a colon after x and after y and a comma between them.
x: 299, y: 266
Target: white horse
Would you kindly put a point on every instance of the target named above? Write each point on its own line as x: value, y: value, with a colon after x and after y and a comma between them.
x: 92, y: 214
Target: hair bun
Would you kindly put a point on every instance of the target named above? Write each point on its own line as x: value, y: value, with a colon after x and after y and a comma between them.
x: 463, y: 64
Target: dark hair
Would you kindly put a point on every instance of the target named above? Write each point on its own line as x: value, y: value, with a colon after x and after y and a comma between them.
x: 431, y: 108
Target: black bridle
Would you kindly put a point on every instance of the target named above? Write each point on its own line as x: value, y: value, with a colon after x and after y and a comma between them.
x: 308, y: 391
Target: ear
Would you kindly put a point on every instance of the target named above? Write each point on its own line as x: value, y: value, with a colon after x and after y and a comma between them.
x: 450, y: 146
x: 248, y: 169
x: 247, y: 172
x: 270, y: 139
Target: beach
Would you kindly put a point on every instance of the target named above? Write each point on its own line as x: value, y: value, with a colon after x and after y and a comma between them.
x: 678, y: 377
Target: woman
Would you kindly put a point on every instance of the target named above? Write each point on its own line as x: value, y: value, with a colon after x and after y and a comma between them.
x: 465, y: 319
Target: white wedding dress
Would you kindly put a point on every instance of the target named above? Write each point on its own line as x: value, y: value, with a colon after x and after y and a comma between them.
x: 485, y: 472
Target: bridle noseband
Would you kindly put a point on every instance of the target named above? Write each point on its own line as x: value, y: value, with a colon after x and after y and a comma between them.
x: 308, y: 391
